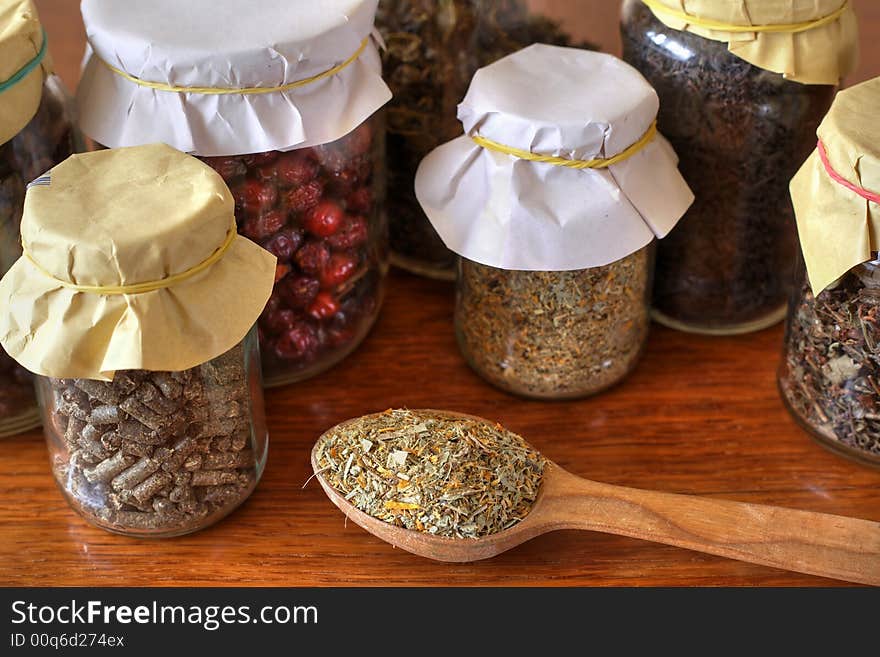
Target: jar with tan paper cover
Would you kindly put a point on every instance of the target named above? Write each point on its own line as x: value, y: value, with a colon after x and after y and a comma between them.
x: 135, y: 303
x: 286, y: 108
x: 743, y: 86
x: 36, y: 132
x: 830, y: 372
x: 432, y: 51
x: 553, y: 198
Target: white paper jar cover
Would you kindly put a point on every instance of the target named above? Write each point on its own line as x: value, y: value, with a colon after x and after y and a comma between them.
x: 512, y: 213
x: 228, y: 44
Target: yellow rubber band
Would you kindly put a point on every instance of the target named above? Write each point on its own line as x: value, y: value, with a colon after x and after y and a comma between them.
x: 141, y: 288
x: 790, y: 28
x: 599, y: 163
x: 218, y: 91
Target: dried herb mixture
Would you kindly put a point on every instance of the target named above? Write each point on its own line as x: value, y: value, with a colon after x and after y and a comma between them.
x: 433, y: 473
x: 830, y: 375
x: 554, y: 334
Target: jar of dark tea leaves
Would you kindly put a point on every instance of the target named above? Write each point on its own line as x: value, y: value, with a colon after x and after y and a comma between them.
x: 544, y: 198
x: 433, y: 50
x: 741, y: 128
x: 36, y: 132
x: 830, y: 372
x: 300, y: 141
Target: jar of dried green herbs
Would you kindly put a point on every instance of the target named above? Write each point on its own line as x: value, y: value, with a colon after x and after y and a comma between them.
x: 36, y: 132
x: 433, y: 49
x: 743, y: 86
x: 553, y: 198
x: 830, y: 373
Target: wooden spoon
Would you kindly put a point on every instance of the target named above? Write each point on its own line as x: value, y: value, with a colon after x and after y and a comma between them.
x: 802, y: 541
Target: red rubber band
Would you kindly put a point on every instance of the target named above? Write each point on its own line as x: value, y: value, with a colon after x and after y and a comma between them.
x: 861, y: 191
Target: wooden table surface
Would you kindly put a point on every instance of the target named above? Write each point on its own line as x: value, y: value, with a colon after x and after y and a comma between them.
x: 699, y: 416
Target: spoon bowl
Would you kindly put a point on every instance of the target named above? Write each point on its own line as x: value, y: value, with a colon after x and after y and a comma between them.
x: 802, y: 541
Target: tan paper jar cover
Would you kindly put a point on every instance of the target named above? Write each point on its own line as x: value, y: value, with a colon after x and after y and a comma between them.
x: 321, y: 53
x: 120, y: 218
x: 838, y: 223
x: 23, y: 66
x: 821, y: 55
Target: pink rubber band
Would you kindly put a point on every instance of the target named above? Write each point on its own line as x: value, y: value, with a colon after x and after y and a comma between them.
x: 861, y: 191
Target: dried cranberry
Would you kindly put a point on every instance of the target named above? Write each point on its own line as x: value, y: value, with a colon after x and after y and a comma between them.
x: 339, y: 269
x: 299, y: 291
x: 295, y: 169
x: 324, y: 306
x: 284, y: 244
x: 324, y: 219
x: 359, y: 140
x: 227, y: 167
x: 281, y: 271
x: 260, y: 159
x: 352, y: 234
x: 312, y: 257
x: 262, y: 226
x: 278, y: 321
x: 306, y: 197
x: 253, y: 196
x: 298, y: 343
x: 360, y: 200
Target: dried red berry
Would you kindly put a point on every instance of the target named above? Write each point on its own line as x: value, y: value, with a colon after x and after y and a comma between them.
x: 295, y: 169
x: 338, y: 270
x: 359, y: 140
x: 360, y: 200
x: 299, y: 343
x: 324, y: 306
x: 281, y: 271
x: 344, y: 182
x: 284, y: 244
x: 352, y: 234
x: 253, y: 196
x: 324, y: 219
x: 306, y: 197
x: 262, y: 226
x: 278, y: 321
x: 299, y: 291
x: 312, y: 257
x: 227, y: 167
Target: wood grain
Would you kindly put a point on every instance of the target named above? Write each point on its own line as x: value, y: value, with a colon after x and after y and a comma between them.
x: 699, y: 416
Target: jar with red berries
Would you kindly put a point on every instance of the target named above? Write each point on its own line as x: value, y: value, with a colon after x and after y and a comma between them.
x: 36, y: 132
x: 287, y: 110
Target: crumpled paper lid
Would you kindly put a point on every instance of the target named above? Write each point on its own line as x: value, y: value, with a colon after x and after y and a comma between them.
x: 823, y: 55
x: 839, y: 227
x: 23, y: 65
x: 512, y: 213
x: 119, y: 218
x: 228, y: 44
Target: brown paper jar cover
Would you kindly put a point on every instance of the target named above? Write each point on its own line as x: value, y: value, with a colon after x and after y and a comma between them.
x: 119, y: 218
x: 839, y: 228
x: 822, y: 55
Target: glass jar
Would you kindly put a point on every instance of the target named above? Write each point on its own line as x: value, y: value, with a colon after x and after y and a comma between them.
x: 321, y: 212
x: 829, y: 377
x: 47, y: 139
x: 159, y: 453
x: 433, y: 50
x: 741, y: 133
x: 554, y: 334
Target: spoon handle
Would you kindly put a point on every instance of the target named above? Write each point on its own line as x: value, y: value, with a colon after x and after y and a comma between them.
x: 802, y: 541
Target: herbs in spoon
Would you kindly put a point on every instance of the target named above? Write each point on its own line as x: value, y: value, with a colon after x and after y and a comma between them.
x: 445, y: 475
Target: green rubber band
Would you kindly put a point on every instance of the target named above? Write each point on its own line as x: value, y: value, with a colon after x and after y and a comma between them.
x: 26, y: 69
